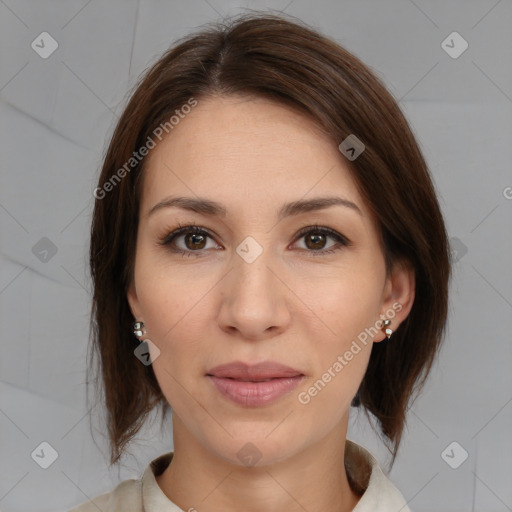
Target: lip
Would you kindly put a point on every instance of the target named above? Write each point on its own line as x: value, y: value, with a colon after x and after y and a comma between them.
x: 254, y: 385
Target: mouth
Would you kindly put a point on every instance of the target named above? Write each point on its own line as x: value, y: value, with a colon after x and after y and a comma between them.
x: 254, y: 385
x: 259, y: 372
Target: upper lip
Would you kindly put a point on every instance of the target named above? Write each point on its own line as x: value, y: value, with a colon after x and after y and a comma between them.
x: 253, y: 372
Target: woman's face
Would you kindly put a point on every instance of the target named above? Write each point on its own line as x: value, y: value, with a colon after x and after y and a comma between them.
x: 258, y: 283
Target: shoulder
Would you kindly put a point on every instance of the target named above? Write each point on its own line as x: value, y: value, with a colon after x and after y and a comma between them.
x: 131, y: 495
x: 381, y: 495
x: 126, y: 496
x: 378, y: 493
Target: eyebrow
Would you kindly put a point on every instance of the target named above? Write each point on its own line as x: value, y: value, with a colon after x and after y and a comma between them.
x: 212, y: 208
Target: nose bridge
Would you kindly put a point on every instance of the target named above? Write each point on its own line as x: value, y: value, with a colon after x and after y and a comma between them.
x: 252, y: 277
x: 252, y: 301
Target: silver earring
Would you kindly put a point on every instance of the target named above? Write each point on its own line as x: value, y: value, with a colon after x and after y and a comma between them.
x: 386, y: 329
x: 139, y: 330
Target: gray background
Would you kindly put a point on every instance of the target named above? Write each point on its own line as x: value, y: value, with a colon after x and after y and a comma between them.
x: 56, y: 115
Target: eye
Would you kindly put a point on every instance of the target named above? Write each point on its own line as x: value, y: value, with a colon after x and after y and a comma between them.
x: 316, y: 237
x: 188, y: 240
x: 193, y: 240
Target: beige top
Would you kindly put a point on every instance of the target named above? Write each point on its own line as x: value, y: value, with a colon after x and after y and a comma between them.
x: 145, y: 495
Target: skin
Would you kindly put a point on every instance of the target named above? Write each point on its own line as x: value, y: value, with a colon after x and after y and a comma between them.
x: 293, y: 304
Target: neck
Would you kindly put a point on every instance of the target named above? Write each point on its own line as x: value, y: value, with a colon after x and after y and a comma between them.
x: 314, y: 479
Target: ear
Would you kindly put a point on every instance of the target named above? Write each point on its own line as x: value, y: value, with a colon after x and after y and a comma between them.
x: 133, y: 301
x: 398, y: 296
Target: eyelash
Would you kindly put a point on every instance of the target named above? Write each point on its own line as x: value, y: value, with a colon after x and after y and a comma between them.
x: 341, y: 240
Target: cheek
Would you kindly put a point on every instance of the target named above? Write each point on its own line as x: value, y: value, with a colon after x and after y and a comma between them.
x: 341, y: 330
x: 344, y: 301
x: 176, y: 316
x: 339, y: 358
x: 174, y: 300
x: 176, y: 311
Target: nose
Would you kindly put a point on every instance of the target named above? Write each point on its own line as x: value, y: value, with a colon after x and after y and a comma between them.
x: 254, y: 304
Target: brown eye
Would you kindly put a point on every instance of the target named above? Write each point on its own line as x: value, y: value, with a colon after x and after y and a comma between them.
x: 315, y: 241
x: 188, y: 240
x: 195, y: 241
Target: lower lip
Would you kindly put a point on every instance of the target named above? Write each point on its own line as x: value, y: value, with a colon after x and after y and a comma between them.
x: 253, y: 394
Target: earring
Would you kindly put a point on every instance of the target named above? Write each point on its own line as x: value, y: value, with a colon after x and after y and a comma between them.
x: 386, y: 329
x: 139, y: 330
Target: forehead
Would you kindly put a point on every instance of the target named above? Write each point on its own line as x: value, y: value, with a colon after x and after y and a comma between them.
x: 247, y: 152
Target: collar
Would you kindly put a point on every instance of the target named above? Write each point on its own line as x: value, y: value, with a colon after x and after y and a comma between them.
x: 365, y: 476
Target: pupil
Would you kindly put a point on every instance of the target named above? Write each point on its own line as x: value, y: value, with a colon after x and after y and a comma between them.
x: 318, y: 241
x: 196, y: 239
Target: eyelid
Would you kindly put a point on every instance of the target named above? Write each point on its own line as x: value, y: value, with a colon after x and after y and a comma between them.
x: 183, y: 229
x: 324, y: 230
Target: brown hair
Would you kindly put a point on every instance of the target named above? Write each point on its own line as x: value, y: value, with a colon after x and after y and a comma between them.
x: 276, y: 58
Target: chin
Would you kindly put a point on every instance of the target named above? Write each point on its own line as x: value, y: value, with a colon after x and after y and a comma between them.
x: 256, y: 449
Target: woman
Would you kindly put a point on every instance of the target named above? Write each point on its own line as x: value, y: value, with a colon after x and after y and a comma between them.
x: 266, y: 227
